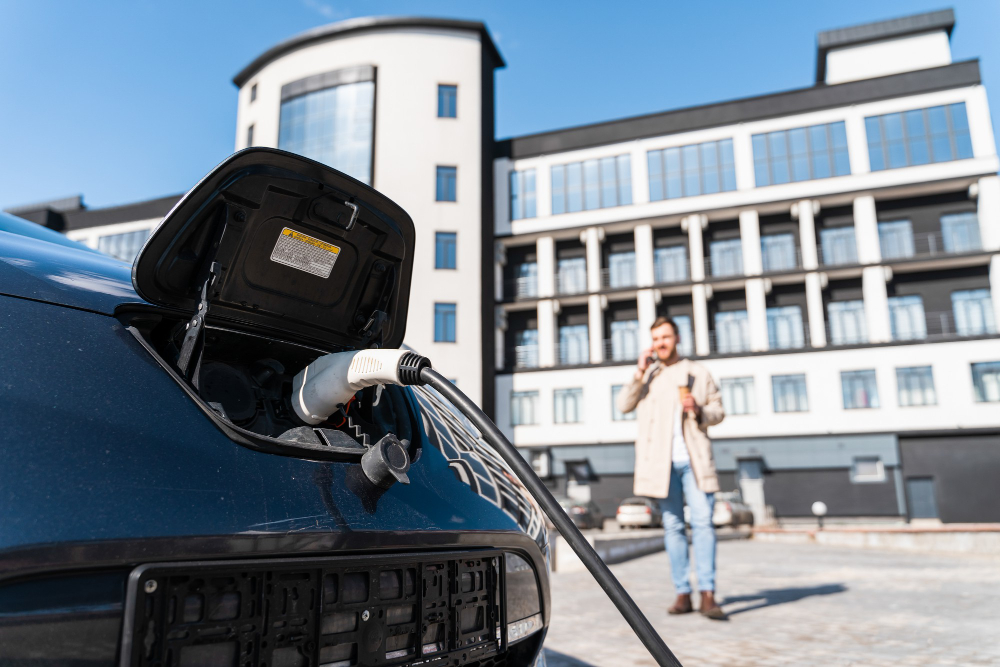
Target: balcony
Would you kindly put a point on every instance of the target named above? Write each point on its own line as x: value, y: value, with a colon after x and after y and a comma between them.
x: 619, y: 349
x: 788, y: 259
x: 619, y: 277
x: 670, y: 267
x: 724, y: 266
x: 571, y: 281
x: 930, y: 244
x: 526, y: 356
x: 525, y: 287
x: 728, y: 344
x: 572, y: 354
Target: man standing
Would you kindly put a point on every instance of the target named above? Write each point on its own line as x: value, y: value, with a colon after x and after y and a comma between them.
x: 677, y: 401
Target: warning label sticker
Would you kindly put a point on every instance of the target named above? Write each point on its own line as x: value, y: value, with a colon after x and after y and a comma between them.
x: 305, y: 253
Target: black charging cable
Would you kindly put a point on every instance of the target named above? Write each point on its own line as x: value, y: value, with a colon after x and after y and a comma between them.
x: 612, y: 587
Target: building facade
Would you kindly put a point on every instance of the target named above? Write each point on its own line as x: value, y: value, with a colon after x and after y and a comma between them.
x: 831, y: 254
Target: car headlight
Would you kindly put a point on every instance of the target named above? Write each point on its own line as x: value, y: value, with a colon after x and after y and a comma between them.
x: 524, y: 605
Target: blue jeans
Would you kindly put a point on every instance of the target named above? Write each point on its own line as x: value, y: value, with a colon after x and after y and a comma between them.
x: 684, y: 487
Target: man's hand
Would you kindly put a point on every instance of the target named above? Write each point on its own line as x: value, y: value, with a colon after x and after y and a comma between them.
x: 690, y: 405
x: 643, y: 363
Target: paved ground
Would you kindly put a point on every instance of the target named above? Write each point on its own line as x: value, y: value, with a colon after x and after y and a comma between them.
x: 794, y: 605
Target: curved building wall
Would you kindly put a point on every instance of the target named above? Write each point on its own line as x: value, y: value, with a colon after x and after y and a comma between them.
x: 405, y: 65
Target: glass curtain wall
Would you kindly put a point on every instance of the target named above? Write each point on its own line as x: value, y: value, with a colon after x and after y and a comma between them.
x: 593, y: 184
x: 670, y: 264
x: 697, y: 169
x: 920, y: 136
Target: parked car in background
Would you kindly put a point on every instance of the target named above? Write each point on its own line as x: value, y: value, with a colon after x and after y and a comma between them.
x: 639, y: 512
x: 584, y: 514
x: 730, y: 510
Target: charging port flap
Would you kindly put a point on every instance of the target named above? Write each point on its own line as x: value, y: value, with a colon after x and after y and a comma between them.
x: 294, y: 249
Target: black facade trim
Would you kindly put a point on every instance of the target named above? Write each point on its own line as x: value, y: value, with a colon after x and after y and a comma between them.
x: 490, y: 61
x: 815, y: 98
x: 881, y: 30
x: 366, y: 24
x: 337, y: 77
x: 145, y: 210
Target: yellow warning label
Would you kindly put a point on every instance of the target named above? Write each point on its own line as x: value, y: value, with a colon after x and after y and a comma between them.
x: 305, y: 253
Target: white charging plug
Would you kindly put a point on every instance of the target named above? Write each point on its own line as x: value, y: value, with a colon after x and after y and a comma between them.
x: 329, y: 382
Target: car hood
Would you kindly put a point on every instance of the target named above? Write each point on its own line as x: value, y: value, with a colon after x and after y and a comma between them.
x: 65, y: 275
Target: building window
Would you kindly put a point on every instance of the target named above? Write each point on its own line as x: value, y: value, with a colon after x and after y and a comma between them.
x: 250, y: 136
x: 738, y: 396
x: 593, y: 184
x: 334, y: 126
x: 616, y: 414
x: 895, y: 239
x: 921, y: 136
x: 253, y: 93
x: 726, y: 257
x: 568, y: 406
x: 447, y: 101
x: 839, y: 246
x: 790, y: 393
x: 906, y: 317
x: 915, y: 386
x: 625, y: 340
x: 574, y: 345
x: 847, y: 322
x: 859, y: 389
x: 732, y: 332
x: 523, y: 408
x: 778, y: 252
x: 802, y: 154
x: 445, y: 184
x: 986, y: 381
x: 526, y: 282
x: 685, y: 347
x: 973, y: 312
x: 697, y: 169
x: 526, y: 348
x: 960, y: 232
x: 571, y: 275
x: 522, y: 194
x: 445, y: 250
x: 123, y: 246
x: 541, y: 462
x: 867, y: 469
x: 621, y: 269
x: 670, y: 264
x: 444, y: 322
x: 784, y: 328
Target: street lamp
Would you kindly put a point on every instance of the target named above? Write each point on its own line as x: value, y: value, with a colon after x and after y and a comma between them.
x: 819, y: 510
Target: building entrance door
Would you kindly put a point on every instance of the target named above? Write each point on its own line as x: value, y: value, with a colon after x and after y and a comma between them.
x: 920, y: 496
x: 750, y: 474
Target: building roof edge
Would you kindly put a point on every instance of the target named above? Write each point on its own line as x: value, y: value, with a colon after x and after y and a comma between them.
x: 367, y: 23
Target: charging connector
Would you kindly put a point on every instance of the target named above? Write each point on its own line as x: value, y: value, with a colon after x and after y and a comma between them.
x: 328, y: 383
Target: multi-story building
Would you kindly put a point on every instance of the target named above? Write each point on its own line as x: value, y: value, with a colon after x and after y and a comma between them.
x: 829, y: 253
x: 832, y: 254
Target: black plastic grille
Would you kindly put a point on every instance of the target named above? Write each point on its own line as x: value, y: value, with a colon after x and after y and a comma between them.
x: 435, y: 609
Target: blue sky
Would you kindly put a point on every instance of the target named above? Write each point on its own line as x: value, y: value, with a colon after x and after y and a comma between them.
x: 123, y: 101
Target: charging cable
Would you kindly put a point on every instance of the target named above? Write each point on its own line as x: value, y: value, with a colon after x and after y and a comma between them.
x: 330, y: 381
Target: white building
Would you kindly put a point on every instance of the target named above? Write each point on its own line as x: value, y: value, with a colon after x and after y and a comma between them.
x: 831, y: 253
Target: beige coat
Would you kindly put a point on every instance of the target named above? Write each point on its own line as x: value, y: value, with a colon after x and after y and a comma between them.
x: 657, y: 398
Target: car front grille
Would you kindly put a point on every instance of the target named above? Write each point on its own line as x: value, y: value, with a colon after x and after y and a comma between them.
x: 431, y: 609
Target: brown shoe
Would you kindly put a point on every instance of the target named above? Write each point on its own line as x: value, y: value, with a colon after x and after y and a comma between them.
x: 682, y: 605
x: 710, y: 608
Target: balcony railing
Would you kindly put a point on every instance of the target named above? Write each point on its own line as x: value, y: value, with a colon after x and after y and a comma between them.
x: 618, y: 278
x: 670, y: 272
x: 837, y: 255
x: 930, y: 244
x: 525, y: 287
x: 571, y: 282
x: 526, y: 356
x: 728, y: 344
x: 573, y: 354
x: 845, y: 336
x: 619, y: 350
x: 786, y: 261
x: 726, y: 267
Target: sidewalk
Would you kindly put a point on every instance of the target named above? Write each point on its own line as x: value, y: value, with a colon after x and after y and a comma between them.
x: 971, y: 538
